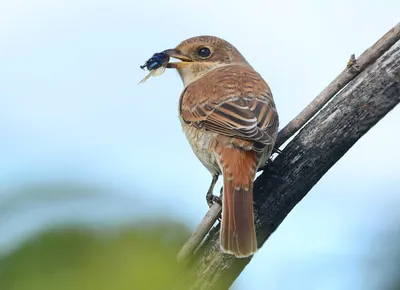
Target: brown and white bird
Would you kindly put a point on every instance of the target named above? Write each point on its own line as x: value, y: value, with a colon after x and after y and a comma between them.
x: 229, y: 117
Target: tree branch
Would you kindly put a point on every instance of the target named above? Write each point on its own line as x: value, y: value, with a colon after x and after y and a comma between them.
x: 354, y: 68
x: 317, y: 147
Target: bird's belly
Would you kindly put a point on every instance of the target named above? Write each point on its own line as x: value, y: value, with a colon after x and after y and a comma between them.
x: 201, y: 142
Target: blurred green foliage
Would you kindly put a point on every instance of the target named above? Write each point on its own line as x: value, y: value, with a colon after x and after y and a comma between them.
x: 113, y: 257
x: 143, y: 257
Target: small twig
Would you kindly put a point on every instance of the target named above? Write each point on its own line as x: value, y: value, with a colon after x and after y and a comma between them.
x: 366, y: 58
x: 198, y: 235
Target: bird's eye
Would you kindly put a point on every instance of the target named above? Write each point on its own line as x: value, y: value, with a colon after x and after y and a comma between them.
x: 204, y: 52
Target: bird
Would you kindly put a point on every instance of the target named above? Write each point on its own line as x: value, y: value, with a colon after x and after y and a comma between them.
x: 229, y: 117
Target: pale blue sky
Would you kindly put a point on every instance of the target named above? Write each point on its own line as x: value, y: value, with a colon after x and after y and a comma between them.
x: 71, y: 109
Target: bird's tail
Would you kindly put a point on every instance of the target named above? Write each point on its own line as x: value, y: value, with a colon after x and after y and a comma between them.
x: 238, y: 236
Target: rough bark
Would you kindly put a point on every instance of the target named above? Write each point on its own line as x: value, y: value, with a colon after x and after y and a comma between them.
x: 354, y: 67
x: 317, y: 147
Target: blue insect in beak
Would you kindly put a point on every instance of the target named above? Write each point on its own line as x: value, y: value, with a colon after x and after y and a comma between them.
x: 156, y: 61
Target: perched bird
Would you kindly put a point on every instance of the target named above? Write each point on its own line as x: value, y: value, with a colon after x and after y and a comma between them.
x: 229, y: 117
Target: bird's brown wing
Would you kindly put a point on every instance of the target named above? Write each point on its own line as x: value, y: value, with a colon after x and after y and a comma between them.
x: 233, y: 101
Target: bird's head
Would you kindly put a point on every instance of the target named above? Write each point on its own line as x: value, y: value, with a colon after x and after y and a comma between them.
x: 199, y: 55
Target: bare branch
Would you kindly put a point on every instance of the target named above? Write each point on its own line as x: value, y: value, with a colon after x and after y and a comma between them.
x: 353, y: 69
x: 198, y: 235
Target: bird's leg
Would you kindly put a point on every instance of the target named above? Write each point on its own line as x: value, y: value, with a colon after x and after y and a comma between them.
x: 210, y: 197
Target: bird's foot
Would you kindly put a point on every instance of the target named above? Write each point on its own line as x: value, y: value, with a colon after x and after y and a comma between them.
x: 211, y: 199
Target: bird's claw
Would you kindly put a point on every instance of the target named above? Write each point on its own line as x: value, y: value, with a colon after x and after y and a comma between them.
x: 211, y: 199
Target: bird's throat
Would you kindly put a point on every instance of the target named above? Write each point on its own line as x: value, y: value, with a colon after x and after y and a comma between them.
x: 194, y: 71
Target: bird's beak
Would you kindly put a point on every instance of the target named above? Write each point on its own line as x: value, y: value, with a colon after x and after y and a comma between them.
x: 178, y: 55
